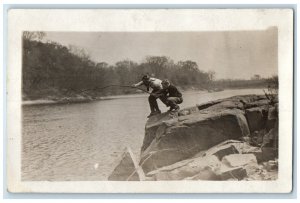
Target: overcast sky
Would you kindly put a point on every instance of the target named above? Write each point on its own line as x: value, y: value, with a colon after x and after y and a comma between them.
x: 232, y: 54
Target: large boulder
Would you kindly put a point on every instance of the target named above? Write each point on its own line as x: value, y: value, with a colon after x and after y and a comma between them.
x: 228, y: 139
x: 154, y: 127
x: 272, y: 118
x: 182, y: 137
x: 157, y: 124
x: 256, y: 118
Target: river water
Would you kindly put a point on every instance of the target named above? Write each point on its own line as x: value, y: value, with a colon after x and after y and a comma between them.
x: 83, y: 141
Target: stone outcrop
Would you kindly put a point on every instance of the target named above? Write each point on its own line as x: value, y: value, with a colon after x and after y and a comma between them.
x: 184, y: 136
x: 256, y: 118
x: 227, y: 139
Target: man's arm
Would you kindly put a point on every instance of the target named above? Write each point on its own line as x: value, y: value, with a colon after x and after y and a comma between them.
x: 138, y: 84
x: 160, y: 93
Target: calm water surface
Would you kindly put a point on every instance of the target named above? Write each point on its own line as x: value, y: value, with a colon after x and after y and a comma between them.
x: 83, y: 141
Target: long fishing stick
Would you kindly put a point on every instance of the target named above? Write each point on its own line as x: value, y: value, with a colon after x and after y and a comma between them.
x: 100, y: 88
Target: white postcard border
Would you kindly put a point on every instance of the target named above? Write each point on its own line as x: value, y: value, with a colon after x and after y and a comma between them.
x: 135, y: 20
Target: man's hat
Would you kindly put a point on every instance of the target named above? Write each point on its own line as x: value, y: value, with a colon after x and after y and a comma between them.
x: 165, y: 81
x: 145, y: 77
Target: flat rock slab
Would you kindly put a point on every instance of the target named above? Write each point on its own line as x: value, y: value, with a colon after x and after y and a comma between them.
x: 201, y: 168
x: 236, y: 160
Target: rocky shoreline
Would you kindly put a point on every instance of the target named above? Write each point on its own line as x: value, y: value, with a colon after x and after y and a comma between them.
x: 228, y: 139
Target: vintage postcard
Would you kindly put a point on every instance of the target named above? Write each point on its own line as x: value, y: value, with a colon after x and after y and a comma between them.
x: 150, y: 101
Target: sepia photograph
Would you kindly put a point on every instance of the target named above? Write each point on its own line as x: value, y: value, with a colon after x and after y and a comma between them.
x: 199, y: 106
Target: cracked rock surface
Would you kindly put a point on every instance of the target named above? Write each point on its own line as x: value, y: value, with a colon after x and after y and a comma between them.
x: 229, y: 139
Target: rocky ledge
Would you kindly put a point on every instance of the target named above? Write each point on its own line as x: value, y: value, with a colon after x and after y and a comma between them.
x: 228, y: 139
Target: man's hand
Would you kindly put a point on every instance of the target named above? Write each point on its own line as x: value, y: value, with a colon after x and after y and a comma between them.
x: 134, y: 85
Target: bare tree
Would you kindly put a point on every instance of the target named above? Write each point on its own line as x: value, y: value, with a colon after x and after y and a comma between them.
x: 38, y: 36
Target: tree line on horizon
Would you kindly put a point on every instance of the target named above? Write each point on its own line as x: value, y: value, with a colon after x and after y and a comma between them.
x: 50, y: 69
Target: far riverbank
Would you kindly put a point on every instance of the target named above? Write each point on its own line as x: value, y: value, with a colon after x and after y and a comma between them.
x: 88, y: 98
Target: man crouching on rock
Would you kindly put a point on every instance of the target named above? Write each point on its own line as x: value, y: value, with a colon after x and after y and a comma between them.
x: 156, y: 87
x: 171, y: 95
